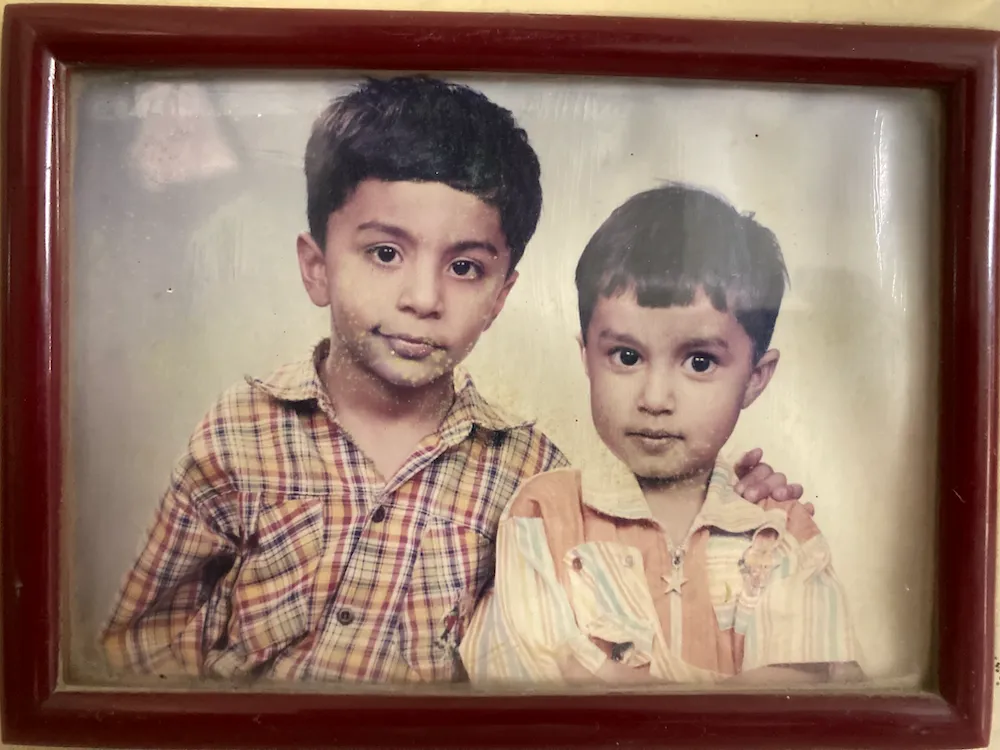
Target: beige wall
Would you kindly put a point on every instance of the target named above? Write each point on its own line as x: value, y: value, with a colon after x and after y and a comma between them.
x: 890, y: 290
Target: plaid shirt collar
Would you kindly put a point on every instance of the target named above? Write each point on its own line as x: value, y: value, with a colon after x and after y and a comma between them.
x: 301, y: 382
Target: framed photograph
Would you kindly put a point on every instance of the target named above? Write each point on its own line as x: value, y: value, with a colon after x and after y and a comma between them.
x: 389, y: 379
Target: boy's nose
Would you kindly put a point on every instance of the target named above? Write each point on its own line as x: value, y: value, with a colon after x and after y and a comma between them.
x: 421, y: 293
x: 657, y: 395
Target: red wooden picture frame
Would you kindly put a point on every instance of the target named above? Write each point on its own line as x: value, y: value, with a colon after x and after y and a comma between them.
x: 45, y: 45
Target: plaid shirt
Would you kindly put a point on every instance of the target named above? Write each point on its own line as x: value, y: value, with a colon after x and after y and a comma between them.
x: 278, y: 551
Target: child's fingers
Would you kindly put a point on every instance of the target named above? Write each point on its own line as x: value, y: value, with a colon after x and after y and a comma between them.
x: 791, y: 492
x: 749, y: 460
x: 757, y: 476
x: 787, y: 492
x: 771, y: 484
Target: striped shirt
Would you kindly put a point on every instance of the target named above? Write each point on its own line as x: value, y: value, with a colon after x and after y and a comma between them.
x: 278, y: 551
x: 585, y: 576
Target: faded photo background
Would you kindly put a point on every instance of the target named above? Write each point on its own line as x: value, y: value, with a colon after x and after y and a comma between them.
x: 188, y: 195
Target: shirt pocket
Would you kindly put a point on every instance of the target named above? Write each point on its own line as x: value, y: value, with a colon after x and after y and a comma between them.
x: 611, y: 600
x: 454, y: 562
x: 274, y: 592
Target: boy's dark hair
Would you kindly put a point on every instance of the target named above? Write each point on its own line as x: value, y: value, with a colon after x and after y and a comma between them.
x: 666, y: 243
x: 421, y: 129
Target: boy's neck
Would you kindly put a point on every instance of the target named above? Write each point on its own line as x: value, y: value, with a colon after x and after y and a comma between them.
x: 385, y: 421
x: 675, y: 503
x: 357, y: 392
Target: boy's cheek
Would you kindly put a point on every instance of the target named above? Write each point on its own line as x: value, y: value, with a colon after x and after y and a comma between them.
x: 611, y: 405
x: 483, y: 300
x: 599, y: 402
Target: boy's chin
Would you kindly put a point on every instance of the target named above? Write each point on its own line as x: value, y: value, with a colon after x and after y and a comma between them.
x: 403, y: 373
x: 652, y: 473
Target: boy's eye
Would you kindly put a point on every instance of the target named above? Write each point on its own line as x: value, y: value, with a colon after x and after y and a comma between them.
x: 625, y: 356
x: 385, y: 254
x: 702, y: 363
x: 466, y: 269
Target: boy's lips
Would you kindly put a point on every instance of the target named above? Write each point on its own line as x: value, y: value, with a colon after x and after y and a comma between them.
x: 654, y: 441
x: 656, y: 434
x: 409, y: 347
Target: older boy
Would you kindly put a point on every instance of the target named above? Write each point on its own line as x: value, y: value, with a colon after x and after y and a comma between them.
x: 663, y: 572
x: 336, y: 519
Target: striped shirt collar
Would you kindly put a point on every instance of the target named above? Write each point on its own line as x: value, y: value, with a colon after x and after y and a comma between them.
x: 611, y: 489
x: 301, y: 382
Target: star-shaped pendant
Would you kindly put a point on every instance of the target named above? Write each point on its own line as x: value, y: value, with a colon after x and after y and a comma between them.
x: 675, y: 581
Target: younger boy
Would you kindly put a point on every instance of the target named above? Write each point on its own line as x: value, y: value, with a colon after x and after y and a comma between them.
x: 663, y: 572
x: 336, y: 519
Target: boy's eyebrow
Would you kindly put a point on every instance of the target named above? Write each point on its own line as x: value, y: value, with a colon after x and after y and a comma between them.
x: 624, y: 338
x: 464, y: 245
x: 402, y: 234
x: 391, y: 229
x: 706, y: 342
x: 712, y: 341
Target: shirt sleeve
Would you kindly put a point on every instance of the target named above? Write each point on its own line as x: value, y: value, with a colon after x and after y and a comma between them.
x: 158, y: 625
x: 524, y: 630
x: 801, y: 616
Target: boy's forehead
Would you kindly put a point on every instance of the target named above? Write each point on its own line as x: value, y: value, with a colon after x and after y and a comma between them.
x: 621, y: 314
x: 404, y: 193
x: 422, y: 209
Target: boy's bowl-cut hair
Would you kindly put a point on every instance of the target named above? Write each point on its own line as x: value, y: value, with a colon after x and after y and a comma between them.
x: 422, y: 129
x: 665, y: 244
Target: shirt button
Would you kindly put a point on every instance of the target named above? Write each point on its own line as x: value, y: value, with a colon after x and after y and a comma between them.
x: 577, y: 564
x: 629, y: 562
x: 345, y: 617
x: 379, y: 515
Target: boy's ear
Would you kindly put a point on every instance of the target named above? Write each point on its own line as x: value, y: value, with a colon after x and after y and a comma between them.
x: 760, y: 376
x: 312, y: 266
x: 583, y: 353
x: 508, y: 284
